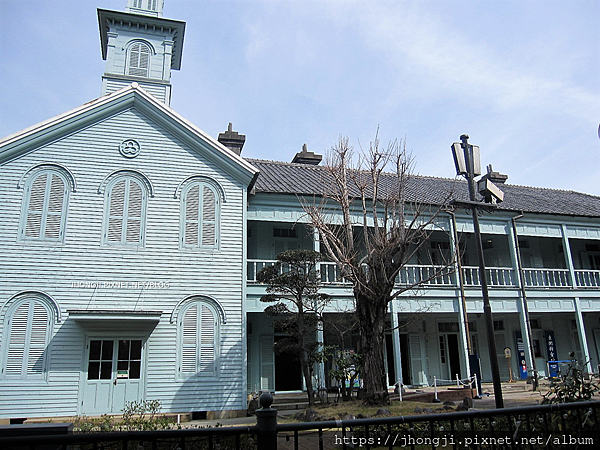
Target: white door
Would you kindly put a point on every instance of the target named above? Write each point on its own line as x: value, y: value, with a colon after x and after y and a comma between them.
x: 113, y: 375
x: 417, y: 360
x: 267, y: 364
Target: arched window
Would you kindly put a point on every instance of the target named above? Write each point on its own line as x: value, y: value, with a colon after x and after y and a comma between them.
x: 198, y: 328
x: 200, y: 216
x: 27, y: 330
x: 139, y: 59
x: 125, y: 211
x: 44, y: 206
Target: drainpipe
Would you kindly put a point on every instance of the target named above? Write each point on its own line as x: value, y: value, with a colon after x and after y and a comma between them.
x: 524, y: 300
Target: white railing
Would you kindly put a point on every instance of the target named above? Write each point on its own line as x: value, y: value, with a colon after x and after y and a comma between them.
x: 588, y: 278
x: 331, y: 273
x: 426, y: 276
x: 440, y: 276
x: 546, y: 278
x: 496, y: 276
x: 256, y: 265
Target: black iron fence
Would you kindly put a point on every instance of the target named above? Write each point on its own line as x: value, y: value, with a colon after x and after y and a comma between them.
x: 558, y: 426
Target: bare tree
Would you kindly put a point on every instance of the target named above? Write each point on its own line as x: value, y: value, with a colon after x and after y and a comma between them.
x: 370, y: 224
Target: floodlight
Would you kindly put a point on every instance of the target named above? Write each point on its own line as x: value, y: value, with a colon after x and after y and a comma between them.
x: 459, y: 158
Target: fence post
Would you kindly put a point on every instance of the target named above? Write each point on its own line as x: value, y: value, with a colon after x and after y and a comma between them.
x: 435, y: 399
x: 266, y: 423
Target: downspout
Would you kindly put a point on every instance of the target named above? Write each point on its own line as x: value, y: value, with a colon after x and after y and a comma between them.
x: 524, y: 298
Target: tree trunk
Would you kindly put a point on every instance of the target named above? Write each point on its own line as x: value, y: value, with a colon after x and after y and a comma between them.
x: 307, y: 373
x: 372, y: 313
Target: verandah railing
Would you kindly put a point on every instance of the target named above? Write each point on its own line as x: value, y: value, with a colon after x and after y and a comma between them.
x: 557, y: 426
x: 588, y: 278
x: 429, y: 275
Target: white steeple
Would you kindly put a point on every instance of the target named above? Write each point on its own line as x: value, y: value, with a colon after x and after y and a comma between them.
x: 139, y: 45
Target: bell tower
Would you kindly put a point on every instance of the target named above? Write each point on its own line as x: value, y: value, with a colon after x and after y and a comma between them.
x: 139, y: 45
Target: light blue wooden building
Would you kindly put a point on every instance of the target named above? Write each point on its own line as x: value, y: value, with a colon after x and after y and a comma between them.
x: 131, y: 242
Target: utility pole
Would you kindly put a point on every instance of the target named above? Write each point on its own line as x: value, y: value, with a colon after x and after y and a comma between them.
x: 466, y: 158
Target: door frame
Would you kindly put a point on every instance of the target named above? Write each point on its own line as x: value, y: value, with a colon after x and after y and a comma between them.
x: 105, y: 336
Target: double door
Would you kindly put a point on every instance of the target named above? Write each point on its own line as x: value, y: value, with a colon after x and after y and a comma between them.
x: 113, y: 374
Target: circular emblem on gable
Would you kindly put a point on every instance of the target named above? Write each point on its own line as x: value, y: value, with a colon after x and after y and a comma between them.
x: 129, y: 148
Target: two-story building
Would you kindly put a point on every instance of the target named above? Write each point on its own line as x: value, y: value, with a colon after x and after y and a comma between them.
x: 131, y: 241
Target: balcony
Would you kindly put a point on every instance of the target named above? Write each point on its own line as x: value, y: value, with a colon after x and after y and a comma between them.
x: 436, y: 276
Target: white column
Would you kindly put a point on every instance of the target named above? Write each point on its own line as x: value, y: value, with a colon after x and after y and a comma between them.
x: 167, y: 56
x: 320, y: 338
x: 582, y: 336
x: 523, y: 319
x: 460, y: 302
x: 576, y: 303
x: 396, y: 346
x: 321, y: 368
x: 110, y: 53
x: 568, y: 256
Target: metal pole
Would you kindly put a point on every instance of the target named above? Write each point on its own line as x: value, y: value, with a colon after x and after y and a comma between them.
x: 487, y: 309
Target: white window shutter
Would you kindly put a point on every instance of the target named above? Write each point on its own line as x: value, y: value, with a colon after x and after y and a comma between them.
x: 115, y: 211
x: 192, y: 219
x: 133, y: 223
x: 207, y: 342
x: 35, y: 208
x: 37, y: 341
x: 29, y: 335
x: 54, y: 210
x: 189, y: 333
x: 209, y: 205
x: 17, y: 342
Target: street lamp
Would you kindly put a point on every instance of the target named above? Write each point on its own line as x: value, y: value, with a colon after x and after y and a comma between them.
x: 467, y: 162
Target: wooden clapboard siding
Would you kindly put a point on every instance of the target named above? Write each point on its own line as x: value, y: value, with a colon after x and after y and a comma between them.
x: 55, y: 268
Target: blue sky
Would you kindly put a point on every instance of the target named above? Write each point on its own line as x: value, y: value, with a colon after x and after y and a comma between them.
x: 520, y: 77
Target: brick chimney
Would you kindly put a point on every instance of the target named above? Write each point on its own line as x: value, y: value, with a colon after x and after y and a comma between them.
x: 232, y: 140
x: 306, y: 157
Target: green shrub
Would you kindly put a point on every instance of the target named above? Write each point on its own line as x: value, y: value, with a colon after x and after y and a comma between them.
x: 141, y: 415
x: 572, y: 386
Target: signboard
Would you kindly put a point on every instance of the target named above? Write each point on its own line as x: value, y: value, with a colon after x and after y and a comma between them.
x: 552, y: 352
x: 521, y: 354
x: 122, y: 374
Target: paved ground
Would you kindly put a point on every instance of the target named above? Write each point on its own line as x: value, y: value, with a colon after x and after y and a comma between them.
x: 513, y: 394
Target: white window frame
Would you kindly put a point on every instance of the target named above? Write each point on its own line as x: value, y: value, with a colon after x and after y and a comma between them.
x: 202, y: 184
x: 195, y: 342
x: 128, y: 178
x: 41, y: 236
x: 43, y: 342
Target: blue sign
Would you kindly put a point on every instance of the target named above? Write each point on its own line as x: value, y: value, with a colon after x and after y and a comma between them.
x: 521, y: 353
x: 552, y: 352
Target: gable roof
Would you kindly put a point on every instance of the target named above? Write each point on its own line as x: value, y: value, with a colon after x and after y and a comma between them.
x: 132, y: 96
x: 306, y: 179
